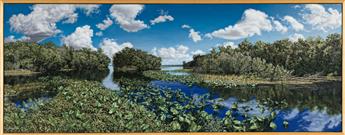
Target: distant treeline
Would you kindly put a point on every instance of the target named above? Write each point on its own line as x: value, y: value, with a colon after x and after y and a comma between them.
x: 274, y: 60
x: 135, y: 60
x: 48, y: 58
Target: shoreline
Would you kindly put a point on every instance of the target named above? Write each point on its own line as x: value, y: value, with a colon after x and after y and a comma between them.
x: 245, y: 80
x: 19, y: 72
x: 222, y: 79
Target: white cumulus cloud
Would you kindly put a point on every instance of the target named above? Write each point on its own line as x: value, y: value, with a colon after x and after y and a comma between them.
x: 110, y: 46
x: 89, y: 8
x: 174, y: 55
x: 100, y: 33
x: 227, y: 44
x: 185, y: 26
x: 194, y: 35
x: 295, y: 37
x: 319, y: 18
x: 105, y: 24
x: 41, y: 22
x: 13, y: 39
x: 279, y: 27
x: 253, y: 22
x: 80, y: 38
x: 125, y: 15
x: 198, y: 52
x: 297, y: 26
x: 162, y: 18
x: 208, y: 35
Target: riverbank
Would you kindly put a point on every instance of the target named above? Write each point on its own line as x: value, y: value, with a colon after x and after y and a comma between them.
x: 228, y: 81
x: 20, y: 72
x: 247, y: 80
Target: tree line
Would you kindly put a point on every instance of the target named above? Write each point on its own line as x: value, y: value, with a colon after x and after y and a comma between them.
x: 49, y: 58
x: 274, y: 60
x: 135, y: 60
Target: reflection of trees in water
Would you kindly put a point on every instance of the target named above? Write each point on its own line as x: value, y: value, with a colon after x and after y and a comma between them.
x: 312, y: 96
x: 83, y: 75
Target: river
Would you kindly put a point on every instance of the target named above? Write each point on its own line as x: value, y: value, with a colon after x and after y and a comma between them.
x: 315, y: 107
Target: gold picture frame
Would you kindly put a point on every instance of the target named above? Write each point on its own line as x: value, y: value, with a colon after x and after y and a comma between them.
x: 2, y: 2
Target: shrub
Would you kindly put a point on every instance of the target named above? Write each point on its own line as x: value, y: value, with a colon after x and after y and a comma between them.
x: 48, y: 58
x: 135, y: 60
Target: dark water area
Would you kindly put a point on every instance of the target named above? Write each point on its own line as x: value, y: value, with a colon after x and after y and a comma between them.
x: 84, y: 75
x: 25, y: 104
x: 313, y: 107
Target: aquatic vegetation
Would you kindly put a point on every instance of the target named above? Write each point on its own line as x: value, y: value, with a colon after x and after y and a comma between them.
x: 82, y: 106
x: 86, y: 106
x: 161, y: 75
x: 175, y: 107
x: 199, y: 79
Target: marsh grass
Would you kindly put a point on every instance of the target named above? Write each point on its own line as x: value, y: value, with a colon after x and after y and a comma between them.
x: 20, y: 72
x: 251, y: 80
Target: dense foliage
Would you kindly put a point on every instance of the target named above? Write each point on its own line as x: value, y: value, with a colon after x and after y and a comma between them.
x: 81, y: 106
x: 229, y: 61
x: 304, y: 57
x: 135, y: 60
x: 50, y: 58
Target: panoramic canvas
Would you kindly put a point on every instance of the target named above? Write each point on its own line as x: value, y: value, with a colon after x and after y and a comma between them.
x: 172, y: 68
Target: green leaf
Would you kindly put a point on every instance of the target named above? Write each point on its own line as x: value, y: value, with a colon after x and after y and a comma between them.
x: 234, y: 106
x: 176, y: 125
x: 163, y: 117
x: 253, y: 127
x: 228, y: 113
x: 98, y: 104
x: 174, y: 111
x: 226, y: 122
x: 273, y: 125
x: 112, y: 110
x: 237, y: 122
x: 286, y: 124
x: 181, y: 118
x: 273, y: 114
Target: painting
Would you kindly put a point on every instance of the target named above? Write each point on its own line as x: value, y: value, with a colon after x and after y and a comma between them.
x: 100, y: 68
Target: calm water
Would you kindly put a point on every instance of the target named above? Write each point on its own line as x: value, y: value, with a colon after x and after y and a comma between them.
x: 172, y: 70
x: 308, y: 111
x: 108, y: 81
x: 315, y: 107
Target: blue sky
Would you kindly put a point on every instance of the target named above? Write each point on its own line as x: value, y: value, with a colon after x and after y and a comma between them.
x: 205, y: 26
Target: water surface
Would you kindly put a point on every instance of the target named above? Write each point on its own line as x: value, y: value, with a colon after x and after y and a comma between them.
x: 311, y: 107
x: 108, y: 80
x: 304, y: 113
